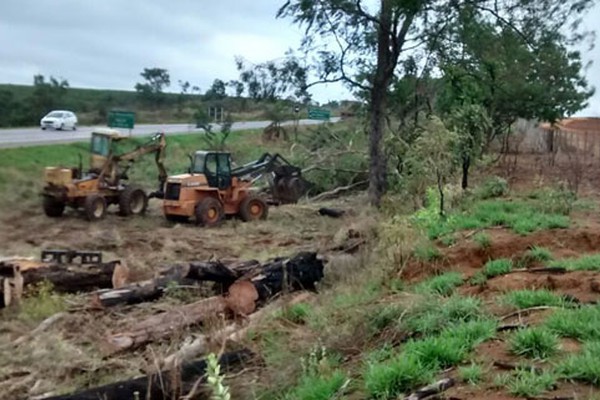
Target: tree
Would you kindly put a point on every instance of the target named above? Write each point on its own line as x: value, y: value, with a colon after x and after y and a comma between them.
x: 151, y: 91
x: 47, y: 95
x: 217, y: 91
x: 372, y: 46
x: 237, y: 86
x: 471, y: 122
x: 185, y: 87
x: 273, y: 80
x: 432, y: 157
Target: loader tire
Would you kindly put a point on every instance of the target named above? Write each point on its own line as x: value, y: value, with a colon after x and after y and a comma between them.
x: 132, y: 201
x: 53, y: 207
x: 209, y: 212
x: 253, y: 208
x: 94, y: 207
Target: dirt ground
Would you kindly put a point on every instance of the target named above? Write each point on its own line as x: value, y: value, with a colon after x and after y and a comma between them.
x: 70, y: 354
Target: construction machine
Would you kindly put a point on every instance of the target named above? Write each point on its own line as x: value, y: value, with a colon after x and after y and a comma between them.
x: 213, y: 189
x: 103, y: 184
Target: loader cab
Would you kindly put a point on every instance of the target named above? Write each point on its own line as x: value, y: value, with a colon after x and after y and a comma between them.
x: 215, y: 166
x: 102, y: 145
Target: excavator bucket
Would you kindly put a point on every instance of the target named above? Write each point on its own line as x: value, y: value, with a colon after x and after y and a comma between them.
x: 288, y: 185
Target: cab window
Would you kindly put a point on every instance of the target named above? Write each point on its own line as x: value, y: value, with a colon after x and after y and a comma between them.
x: 224, y: 167
x: 100, y: 145
x: 199, y: 163
x: 211, y: 164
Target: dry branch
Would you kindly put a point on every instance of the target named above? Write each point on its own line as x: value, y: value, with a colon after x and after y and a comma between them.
x: 337, y: 191
x: 525, y: 311
x: 430, y: 390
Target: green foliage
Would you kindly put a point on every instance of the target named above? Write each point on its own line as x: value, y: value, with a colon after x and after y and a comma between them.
x: 384, y: 316
x: 471, y: 374
x: 443, y: 285
x: 41, y: 302
x: 585, y: 366
x: 156, y: 80
x: 433, y: 315
x: 297, y: 313
x: 404, y: 372
x: 533, y: 298
x: 478, y: 279
x: 214, y: 379
x: 535, y: 342
x: 491, y: 188
x: 581, y: 323
x: 527, y: 382
x: 558, y: 200
x: 497, y: 267
x: 483, y: 240
x: 523, y: 217
x: 314, y: 387
x: 539, y: 254
x: 427, y: 252
x: 589, y: 262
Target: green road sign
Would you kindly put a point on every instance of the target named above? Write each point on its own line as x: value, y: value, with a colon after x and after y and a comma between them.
x: 121, y: 119
x: 315, y: 113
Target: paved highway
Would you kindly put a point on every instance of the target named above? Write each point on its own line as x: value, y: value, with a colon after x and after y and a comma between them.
x: 21, y: 137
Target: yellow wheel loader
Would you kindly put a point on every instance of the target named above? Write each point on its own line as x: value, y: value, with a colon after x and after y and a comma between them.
x: 103, y: 184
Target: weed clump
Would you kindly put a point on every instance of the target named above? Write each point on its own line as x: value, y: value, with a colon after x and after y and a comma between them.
x: 497, y: 267
x: 297, y: 313
x: 442, y: 285
x: 41, y: 302
x: 483, y: 240
x: 590, y: 262
x: 471, y: 374
x: 580, y: 323
x: 492, y: 188
x: 427, y: 253
x: 539, y: 343
x: 527, y: 382
x: 534, y: 298
x: 585, y: 366
x: 539, y: 254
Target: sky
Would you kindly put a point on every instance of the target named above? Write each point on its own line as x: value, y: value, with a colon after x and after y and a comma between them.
x: 107, y: 43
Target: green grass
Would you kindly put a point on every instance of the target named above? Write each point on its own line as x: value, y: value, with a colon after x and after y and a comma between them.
x: 537, y: 342
x: 472, y: 374
x: 317, y: 387
x: 534, y: 298
x: 529, y: 382
x: 427, y: 252
x: 580, y: 323
x: 442, y: 285
x: 585, y: 366
x: 296, y: 313
x: 385, y: 380
x: 497, y: 267
x: 589, y: 262
x: 522, y: 216
x: 41, y: 302
x: 483, y: 240
x: 433, y: 315
x: 539, y: 254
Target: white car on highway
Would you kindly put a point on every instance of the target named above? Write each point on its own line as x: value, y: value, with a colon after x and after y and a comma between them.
x: 59, y: 119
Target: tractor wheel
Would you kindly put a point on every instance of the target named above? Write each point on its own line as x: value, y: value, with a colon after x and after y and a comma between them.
x: 94, y: 207
x: 53, y: 207
x: 253, y: 208
x: 132, y: 201
x: 209, y: 212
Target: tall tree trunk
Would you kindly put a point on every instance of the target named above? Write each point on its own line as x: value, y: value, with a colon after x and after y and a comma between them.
x: 378, y: 100
x: 466, y: 164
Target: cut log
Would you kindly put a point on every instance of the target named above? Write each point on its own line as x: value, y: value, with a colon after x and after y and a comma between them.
x: 64, y: 278
x: 300, y: 272
x: 162, y: 325
x: 164, y: 385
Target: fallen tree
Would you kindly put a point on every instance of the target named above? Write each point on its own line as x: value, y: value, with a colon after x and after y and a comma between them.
x: 164, y: 385
x: 250, y: 291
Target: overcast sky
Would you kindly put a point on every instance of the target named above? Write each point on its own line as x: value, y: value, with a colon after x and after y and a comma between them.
x: 107, y: 43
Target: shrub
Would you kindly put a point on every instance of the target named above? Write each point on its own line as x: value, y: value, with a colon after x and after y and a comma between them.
x: 557, y: 201
x: 534, y: 343
x: 492, y: 187
x: 497, y: 267
x: 443, y: 285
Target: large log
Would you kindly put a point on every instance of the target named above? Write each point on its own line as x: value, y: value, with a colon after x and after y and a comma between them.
x: 180, y: 274
x: 300, y: 272
x: 162, y: 325
x: 164, y: 385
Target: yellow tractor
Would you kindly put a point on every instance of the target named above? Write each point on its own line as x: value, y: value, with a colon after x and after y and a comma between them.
x: 213, y: 189
x: 103, y: 184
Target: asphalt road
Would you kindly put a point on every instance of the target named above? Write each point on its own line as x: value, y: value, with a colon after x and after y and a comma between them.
x: 21, y: 137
